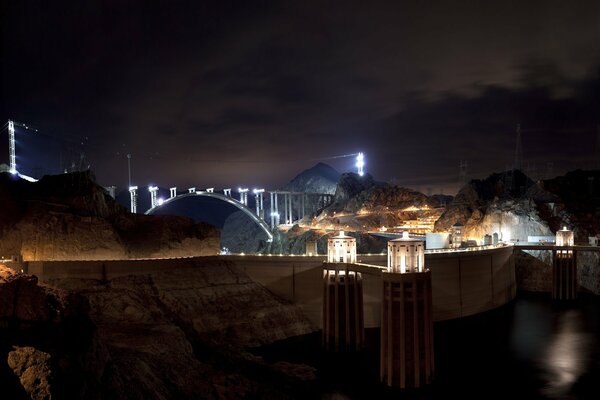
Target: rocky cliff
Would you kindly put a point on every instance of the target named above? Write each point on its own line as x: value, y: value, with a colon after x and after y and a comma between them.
x: 240, y: 234
x: 69, y: 216
x: 186, y: 333
x: 579, y: 202
x: 516, y: 207
x: 48, y: 344
x: 508, y: 203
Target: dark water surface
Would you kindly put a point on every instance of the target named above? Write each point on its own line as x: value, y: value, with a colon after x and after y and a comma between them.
x: 529, y: 349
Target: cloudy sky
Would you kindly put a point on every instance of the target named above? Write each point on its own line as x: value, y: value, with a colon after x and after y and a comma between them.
x: 221, y: 93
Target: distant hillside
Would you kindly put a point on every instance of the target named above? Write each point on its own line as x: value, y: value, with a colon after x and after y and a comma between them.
x: 355, y: 192
x: 321, y: 178
x: 360, y: 203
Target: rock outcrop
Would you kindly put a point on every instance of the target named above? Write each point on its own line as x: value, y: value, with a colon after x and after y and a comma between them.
x: 48, y: 345
x: 321, y: 178
x: 240, y: 234
x: 294, y: 240
x: 185, y: 333
x: 509, y: 204
x: 579, y: 202
x: 33, y: 368
x: 66, y: 217
x: 361, y: 203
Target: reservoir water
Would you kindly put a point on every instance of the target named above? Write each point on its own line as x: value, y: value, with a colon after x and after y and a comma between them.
x: 532, y: 348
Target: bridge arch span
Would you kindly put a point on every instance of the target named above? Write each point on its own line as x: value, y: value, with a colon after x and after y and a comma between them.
x: 262, y: 224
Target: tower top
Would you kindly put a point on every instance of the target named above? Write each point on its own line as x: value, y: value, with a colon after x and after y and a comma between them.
x: 405, y: 238
x: 342, y: 235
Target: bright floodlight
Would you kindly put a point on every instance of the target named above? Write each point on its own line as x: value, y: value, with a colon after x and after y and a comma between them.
x: 161, y: 201
x: 11, y: 147
x: 360, y: 163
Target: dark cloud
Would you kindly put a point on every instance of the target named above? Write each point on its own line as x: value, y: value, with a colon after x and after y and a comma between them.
x: 228, y: 93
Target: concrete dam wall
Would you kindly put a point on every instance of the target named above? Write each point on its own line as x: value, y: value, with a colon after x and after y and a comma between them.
x: 464, y: 283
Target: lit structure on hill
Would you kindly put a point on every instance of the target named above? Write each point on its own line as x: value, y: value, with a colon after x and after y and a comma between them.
x: 564, y: 266
x: 406, y: 316
x: 12, y: 155
x: 360, y: 164
x: 419, y: 226
x: 343, y: 316
x: 11, y: 147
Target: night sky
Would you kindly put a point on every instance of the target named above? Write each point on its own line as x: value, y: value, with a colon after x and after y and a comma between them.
x: 250, y: 93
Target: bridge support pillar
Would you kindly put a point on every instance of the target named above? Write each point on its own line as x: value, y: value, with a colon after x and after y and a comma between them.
x: 133, y: 198
x: 564, y: 275
x: 173, y: 192
x: 258, y: 199
x: 406, y: 329
x: 153, y: 190
x: 277, y: 216
x: 343, y: 318
x: 286, y: 201
x: 227, y: 192
x: 272, y: 212
x: 243, y: 196
x: 291, y: 212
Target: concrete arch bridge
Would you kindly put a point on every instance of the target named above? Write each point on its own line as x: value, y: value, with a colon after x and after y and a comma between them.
x: 293, y: 205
